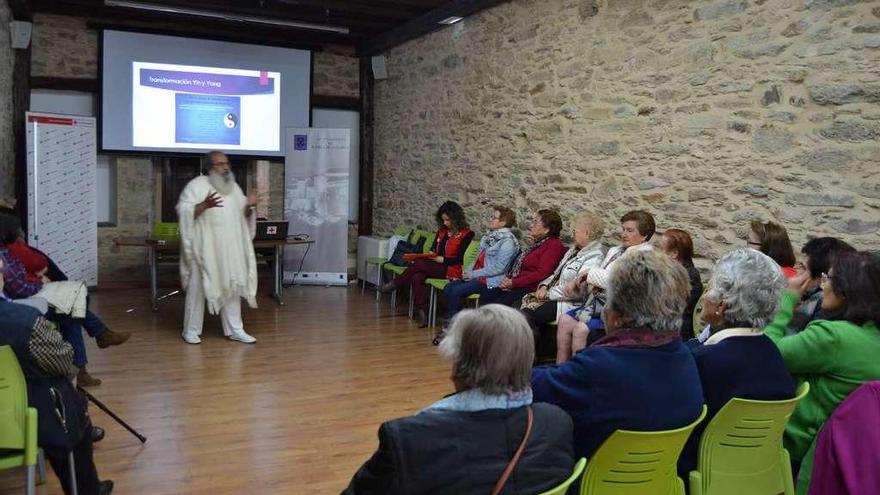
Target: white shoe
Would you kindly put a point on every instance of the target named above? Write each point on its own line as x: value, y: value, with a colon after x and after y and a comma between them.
x: 242, y: 337
x: 191, y: 338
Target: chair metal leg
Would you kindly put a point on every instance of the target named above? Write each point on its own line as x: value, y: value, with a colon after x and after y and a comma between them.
x: 41, y: 467
x: 31, y: 483
x: 412, y: 311
x: 72, y: 466
x: 378, y: 281
x: 364, y: 281
x: 433, y: 316
x: 431, y: 307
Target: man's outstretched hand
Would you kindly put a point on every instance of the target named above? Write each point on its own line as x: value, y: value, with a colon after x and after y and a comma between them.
x: 212, y: 200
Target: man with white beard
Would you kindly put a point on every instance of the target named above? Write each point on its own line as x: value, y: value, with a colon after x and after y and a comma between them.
x: 217, y: 261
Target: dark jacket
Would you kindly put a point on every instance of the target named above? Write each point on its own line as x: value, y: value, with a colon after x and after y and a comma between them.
x: 45, y: 358
x: 631, y: 388
x: 687, y: 320
x: 446, y: 452
x: 747, y: 367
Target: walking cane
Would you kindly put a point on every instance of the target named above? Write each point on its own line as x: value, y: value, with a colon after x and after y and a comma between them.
x: 107, y: 410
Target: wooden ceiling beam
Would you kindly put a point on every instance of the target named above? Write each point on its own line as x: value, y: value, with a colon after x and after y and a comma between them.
x: 424, y: 24
x: 358, y: 24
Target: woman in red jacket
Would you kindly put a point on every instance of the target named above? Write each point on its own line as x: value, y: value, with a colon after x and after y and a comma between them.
x: 453, y: 238
x: 536, y: 262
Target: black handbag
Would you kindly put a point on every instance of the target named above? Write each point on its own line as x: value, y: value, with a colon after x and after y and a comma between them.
x: 406, y: 248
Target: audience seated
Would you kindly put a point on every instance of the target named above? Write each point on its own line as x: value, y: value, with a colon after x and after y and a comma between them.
x: 678, y: 244
x: 453, y: 238
x: 534, y: 264
x: 567, y: 283
x: 20, y: 283
x: 738, y: 360
x: 498, y: 249
x: 818, y: 253
x: 835, y: 355
x: 637, y: 228
x: 772, y: 239
x: 45, y: 359
x: 640, y: 376
x: 464, y: 442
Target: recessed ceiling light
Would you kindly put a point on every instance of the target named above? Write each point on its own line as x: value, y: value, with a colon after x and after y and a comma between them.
x: 450, y: 20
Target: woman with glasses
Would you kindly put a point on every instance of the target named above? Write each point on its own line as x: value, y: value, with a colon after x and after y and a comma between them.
x: 498, y: 248
x: 534, y: 264
x: 835, y: 355
x: 772, y: 239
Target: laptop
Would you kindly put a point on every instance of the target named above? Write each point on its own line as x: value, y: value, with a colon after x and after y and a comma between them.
x: 267, y: 231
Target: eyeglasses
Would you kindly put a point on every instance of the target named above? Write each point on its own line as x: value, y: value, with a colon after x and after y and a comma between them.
x: 752, y: 243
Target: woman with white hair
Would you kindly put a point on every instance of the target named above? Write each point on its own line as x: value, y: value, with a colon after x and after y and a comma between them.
x: 738, y: 360
x: 640, y: 376
x: 566, y: 287
x: 470, y: 442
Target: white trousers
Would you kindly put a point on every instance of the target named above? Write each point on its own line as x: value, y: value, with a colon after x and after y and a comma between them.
x: 194, y: 311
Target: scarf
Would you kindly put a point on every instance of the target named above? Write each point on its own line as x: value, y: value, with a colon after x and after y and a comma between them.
x: 477, y: 400
x: 637, y: 337
x: 517, y: 267
x: 495, y: 236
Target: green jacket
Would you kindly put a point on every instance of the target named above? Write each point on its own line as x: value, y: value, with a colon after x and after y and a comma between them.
x: 835, y: 357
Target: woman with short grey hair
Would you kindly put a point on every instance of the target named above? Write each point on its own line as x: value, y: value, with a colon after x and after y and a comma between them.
x: 744, y: 290
x: 464, y: 442
x: 640, y: 376
x: 737, y: 360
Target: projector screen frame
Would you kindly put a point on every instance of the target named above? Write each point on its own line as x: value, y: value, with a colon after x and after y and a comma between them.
x: 227, y: 39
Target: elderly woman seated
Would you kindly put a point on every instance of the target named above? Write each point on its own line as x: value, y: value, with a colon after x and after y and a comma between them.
x: 636, y: 227
x: 738, y: 360
x: 566, y: 284
x: 835, y: 355
x: 640, y: 376
x: 463, y: 443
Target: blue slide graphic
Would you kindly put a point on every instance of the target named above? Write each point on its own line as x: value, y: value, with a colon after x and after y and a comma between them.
x: 207, y: 119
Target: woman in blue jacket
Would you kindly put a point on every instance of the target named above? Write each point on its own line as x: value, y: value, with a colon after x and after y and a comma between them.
x: 498, y: 249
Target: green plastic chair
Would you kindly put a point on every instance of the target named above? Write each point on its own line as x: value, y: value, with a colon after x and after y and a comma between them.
x: 638, y: 462
x: 742, y: 448
x: 166, y: 230
x: 380, y: 260
x: 18, y: 422
x: 563, y: 488
x: 437, y: 285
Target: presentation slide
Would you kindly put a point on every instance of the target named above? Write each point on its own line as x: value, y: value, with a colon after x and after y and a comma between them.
x: 186, y: 106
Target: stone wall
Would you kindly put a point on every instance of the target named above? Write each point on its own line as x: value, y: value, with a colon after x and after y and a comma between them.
x: 7, y: 59
x: 708, y: 114
x: 136, y: 188
x: 336, y: 74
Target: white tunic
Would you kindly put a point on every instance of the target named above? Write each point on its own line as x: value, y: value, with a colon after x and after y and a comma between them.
x: 219, y: 244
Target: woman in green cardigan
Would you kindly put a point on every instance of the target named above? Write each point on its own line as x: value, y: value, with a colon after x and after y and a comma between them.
x: 835, y: 355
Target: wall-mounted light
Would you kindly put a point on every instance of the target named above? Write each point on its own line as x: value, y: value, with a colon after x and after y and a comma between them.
x: 450, y: 20
x: 224, y: 16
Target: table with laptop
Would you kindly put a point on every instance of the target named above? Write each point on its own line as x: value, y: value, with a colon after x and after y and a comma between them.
x: 269, y: 235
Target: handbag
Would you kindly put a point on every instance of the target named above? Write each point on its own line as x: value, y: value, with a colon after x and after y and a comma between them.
x: 499, y: 485
x: 405, y: 248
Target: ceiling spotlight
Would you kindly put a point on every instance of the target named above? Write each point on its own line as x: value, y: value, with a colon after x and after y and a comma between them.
x: 450, y: 20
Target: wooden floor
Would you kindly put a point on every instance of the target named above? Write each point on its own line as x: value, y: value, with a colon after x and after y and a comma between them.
x: 297, y: 412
